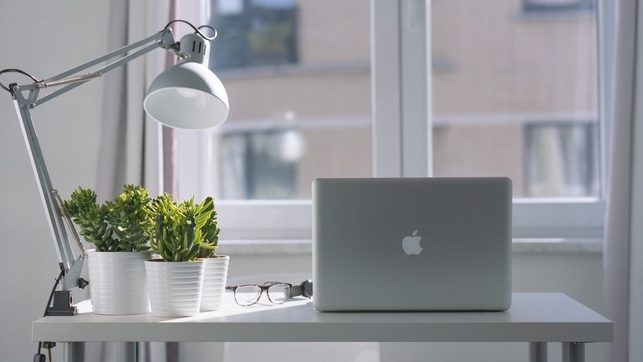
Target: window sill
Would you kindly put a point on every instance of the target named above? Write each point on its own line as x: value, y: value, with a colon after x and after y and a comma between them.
x: 254, y: 247
x: 520, y: 246
x: 557, y: 246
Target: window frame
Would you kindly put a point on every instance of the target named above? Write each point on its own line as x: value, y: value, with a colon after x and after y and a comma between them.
x: 400, y: 118
x: 401, y: 112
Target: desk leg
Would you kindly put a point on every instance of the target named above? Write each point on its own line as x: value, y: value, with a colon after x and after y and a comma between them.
x: 573, y: 352
x: 74, y: 352
x: 124, y: 352
x: 537, y: 351
x: 127, y: 352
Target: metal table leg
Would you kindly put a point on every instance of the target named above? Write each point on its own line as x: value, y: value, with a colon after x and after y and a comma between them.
x: 537, y: 351
x: 74, y: 352
x: 573, y: 352
x: 125, y: 352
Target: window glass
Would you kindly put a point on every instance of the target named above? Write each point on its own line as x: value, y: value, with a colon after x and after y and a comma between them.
x: 515, y: 94
x: 298, y: 80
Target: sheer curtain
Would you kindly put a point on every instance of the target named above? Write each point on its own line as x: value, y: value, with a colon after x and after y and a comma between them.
x: 623, y: 255
x: 131, y: 146
x: 131, y: 149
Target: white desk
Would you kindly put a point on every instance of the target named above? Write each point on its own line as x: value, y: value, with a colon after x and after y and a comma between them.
x: 537, y: 318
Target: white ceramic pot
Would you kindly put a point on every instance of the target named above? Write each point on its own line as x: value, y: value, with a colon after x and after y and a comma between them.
x: 175, y: 287
x: 117, y: 283
x: 214, y: 281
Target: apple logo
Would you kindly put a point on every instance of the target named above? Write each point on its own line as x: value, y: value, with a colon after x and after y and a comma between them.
x: 411, y: 244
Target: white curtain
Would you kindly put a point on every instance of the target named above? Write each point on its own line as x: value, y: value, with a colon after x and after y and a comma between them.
x: 131, y: 147
x: 623, y: 255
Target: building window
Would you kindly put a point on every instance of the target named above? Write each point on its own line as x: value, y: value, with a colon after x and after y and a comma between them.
x: 562, y: 160
x: 260, y: 164
x: 557, y: 5
x: 254, y: 33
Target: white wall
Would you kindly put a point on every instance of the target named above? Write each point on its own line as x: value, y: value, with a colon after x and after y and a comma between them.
x: 47, y: 37
x: 43, y: 38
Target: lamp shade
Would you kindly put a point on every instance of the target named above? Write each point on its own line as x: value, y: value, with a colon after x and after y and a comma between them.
x: 187, y: 95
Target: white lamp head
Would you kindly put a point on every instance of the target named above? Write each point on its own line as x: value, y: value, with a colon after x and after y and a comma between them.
x: 188, y: 95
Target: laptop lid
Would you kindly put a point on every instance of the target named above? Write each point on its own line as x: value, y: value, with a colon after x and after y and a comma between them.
x: 397, y: 244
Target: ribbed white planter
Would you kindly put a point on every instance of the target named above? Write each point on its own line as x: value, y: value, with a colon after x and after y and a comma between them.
x: 117, y: 282
x: 175, y: 287
x: 214, y: 281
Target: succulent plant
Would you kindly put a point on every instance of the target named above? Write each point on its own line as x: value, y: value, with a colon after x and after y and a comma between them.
x: 182, y: 231
x: 210, y: 229
x: 113, y: 226
x: 91, y: 218
x: 126, y: 215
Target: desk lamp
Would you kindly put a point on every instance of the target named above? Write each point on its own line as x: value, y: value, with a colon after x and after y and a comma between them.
x: 187, y: 95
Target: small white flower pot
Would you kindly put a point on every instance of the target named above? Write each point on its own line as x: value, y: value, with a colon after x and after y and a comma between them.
x: 214, y: 282
x: 117, y: 283
x: 175, y: 287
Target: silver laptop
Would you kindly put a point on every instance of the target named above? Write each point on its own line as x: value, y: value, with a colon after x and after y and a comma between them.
x: 412, y: 244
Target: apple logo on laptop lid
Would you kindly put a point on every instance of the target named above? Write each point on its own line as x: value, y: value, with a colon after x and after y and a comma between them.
x: 411, y: 244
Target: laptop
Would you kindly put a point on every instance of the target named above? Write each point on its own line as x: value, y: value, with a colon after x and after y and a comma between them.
x: 412, y: 244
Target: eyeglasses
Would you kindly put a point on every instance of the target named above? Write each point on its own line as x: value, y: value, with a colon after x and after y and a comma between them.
x: 249, y: 294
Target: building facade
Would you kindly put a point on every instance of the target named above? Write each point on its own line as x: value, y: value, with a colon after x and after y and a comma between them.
x: 514, y: 93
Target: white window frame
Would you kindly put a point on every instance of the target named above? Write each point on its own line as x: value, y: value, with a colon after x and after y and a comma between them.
x: 401, y: 111
x: 402, y: 114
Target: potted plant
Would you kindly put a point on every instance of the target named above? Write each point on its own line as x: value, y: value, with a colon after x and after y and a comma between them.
x: 177, y: 230
x: 115, y: 266
x: 216, y: 266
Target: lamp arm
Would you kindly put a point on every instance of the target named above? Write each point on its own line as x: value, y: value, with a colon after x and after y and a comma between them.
x: 163, y: 39
x: 71, y: 266
x: 26, y: 97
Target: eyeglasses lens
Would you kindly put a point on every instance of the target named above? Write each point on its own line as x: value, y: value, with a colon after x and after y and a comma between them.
x: 278, y: 293
x: 247, y: 295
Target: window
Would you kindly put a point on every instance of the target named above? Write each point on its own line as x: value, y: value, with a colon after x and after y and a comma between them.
x: 557, y: 5
x: 458, y: 88
x: 254, y: 33
x: 562, y: 159
x: 298, y: 79
x: 260, y: 164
